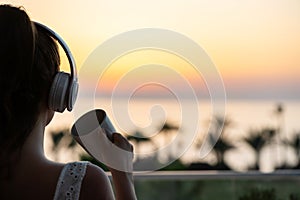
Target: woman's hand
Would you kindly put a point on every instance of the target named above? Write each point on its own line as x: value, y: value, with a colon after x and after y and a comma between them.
x: 121, y: 142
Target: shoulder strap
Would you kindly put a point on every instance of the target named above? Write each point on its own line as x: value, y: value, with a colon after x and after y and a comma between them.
x: 69, y: 182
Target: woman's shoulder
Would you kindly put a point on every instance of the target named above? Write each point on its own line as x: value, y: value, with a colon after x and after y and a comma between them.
x: 83, y: 180
x: 95, y: 184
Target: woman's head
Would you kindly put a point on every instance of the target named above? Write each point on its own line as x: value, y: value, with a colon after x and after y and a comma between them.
x: 29, y: 60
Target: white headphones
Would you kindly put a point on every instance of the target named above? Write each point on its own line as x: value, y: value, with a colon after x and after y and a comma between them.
x: 64, y: 89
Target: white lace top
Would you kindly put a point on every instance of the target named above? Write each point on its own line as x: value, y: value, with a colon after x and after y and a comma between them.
x: 69, y: 182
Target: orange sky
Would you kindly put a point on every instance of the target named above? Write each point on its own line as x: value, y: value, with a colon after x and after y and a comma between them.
x: 255, y: 44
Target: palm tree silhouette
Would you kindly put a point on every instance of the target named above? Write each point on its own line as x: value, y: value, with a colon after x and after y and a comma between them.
x: 62, y: 139
x: 295, y: 144
x: 221, y: 144
x: 279, y: 113
x: 258, y: 139
x: 167, y: 129
x: 220, y: 148
x: 138, y: 138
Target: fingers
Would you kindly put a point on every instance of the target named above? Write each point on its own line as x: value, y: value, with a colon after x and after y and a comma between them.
x: 122, y: 142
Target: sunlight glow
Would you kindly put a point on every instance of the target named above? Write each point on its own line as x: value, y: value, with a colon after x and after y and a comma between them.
x: 245, y: 39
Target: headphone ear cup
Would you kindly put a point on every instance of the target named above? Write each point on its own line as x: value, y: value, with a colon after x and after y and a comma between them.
x: 72, y: 96
x: 58, y: 92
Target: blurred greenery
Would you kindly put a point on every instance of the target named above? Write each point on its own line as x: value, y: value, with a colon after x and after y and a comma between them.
x: 175, y: 189
x: 176, y: 165
x: 258, y: 189
x: 257, y: 194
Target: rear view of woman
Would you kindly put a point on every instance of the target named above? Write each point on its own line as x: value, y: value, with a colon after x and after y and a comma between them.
x: 29, y: 61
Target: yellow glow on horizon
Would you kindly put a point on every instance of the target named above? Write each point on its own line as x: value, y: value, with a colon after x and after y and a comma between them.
x: 156, y: 59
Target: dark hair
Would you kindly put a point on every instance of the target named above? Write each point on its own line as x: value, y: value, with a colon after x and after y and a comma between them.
x: 29, y: 60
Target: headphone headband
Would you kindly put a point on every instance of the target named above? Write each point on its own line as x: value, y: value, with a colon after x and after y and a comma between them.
x: 65, y: 48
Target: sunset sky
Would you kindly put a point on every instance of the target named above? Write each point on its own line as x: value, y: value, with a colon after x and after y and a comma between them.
x: 254, y: 44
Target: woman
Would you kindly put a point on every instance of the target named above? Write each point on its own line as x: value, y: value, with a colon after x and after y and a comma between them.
x: 29, y: 60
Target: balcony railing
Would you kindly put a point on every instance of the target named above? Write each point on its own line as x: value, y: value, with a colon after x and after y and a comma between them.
x: 215, y: 185
x: 220, y: 175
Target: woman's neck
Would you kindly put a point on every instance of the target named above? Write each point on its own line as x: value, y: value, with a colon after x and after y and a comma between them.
x: 33, y: 148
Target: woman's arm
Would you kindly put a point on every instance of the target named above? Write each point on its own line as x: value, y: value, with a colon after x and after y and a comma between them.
x: 123, y: 181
